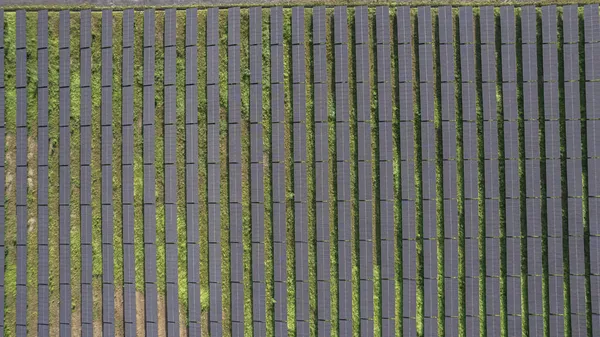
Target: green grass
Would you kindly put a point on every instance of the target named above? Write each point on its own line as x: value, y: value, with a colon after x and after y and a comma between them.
x: 95, y: 166
x: 75, y: 161
x: 53, y: 105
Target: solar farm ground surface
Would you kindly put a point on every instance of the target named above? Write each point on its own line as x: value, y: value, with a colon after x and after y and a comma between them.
x: 345, y: 171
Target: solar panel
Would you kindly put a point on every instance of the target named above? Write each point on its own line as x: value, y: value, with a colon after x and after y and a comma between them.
x: 127, y: 29
x: 344, y: 270
x: 297, y: 25
x: 570, y: 24
x: 406, y: 141
x: 107, y: 17
x: 445, y: 25
x: 299, y: 140
x: 578, y: 321
x: 488, y: 63
x: 451, y: 258
x: 576, y: 256
x: 556, y: 296
x: 233, y: 64
x: 361, y: 25
x: 364, y: 141
x: 404, y: 64
x: 529, y: 60
x: 528, y: 24
x: 382, y: 24
x: 466, y: 28
x: 278, y: 172
x: 513, y: 251
x: 2, y: 29
x: 318, y: 19
x: 424, y: 24
x: 449, y: 173
x: 446, y: 52
x: 21, y: 23
x: 550, y: 60
x: 408, y: 212
x: 492, y: 299
x: 549, y: 22
x: 592, y: 68
x: 42, y: 31
x: 276, y: 25
x: 320, y: 62
x: 409, y: 255
x: 487, y: 25
x: 409, y: 327
x: 591, y: 21
x: 429, y: 258
x: 321, y: 142
x: 507, y: 24
x: 591, y: 89
x: 171, y: 251
x: 572, y: 97
x: 534, y: 285
x: 430, y: 300
x: 451, y: 299
x: 472, y: 296
x: 449, y: 132
x: 555, y: 255
x: 536, y: 324
x: 43, y: 257
x: 386, y: 190
x: 21, y: 60
x: 212, y: 27
x: 573, y: 130
x: 575, y: 213
x: 340, y: 15
x: 341, y: 63
x: 233, y: 24
x: 149, y: 171
x: 509, y: 73
x: 426, y: 63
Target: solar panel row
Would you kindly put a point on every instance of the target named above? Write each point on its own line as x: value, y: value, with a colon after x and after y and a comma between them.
x: 448, y: 107
x: 512, y: 228
x: 257, y: 174
x: 170, y: 172
x: 428, y: 141
x: 148, y: 133
x: 213, y: 170
x: 42, y: 174
x: 532, y: 168
x: 299, y: 173
x: 574, y: 167
x: 492, y: 193
x: 552, y: 145
x: 235, y: 172
x: 407, y: 169
x: 21, y: 174
x: 321, y: 157
x: 85, y: 172
x: 365, y: 174
x: 191, y: 160
x: 129, y: 291
x: 591, y: 38
x: 278, y: 174
x: 340, y: 20
x: 64, y: 174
